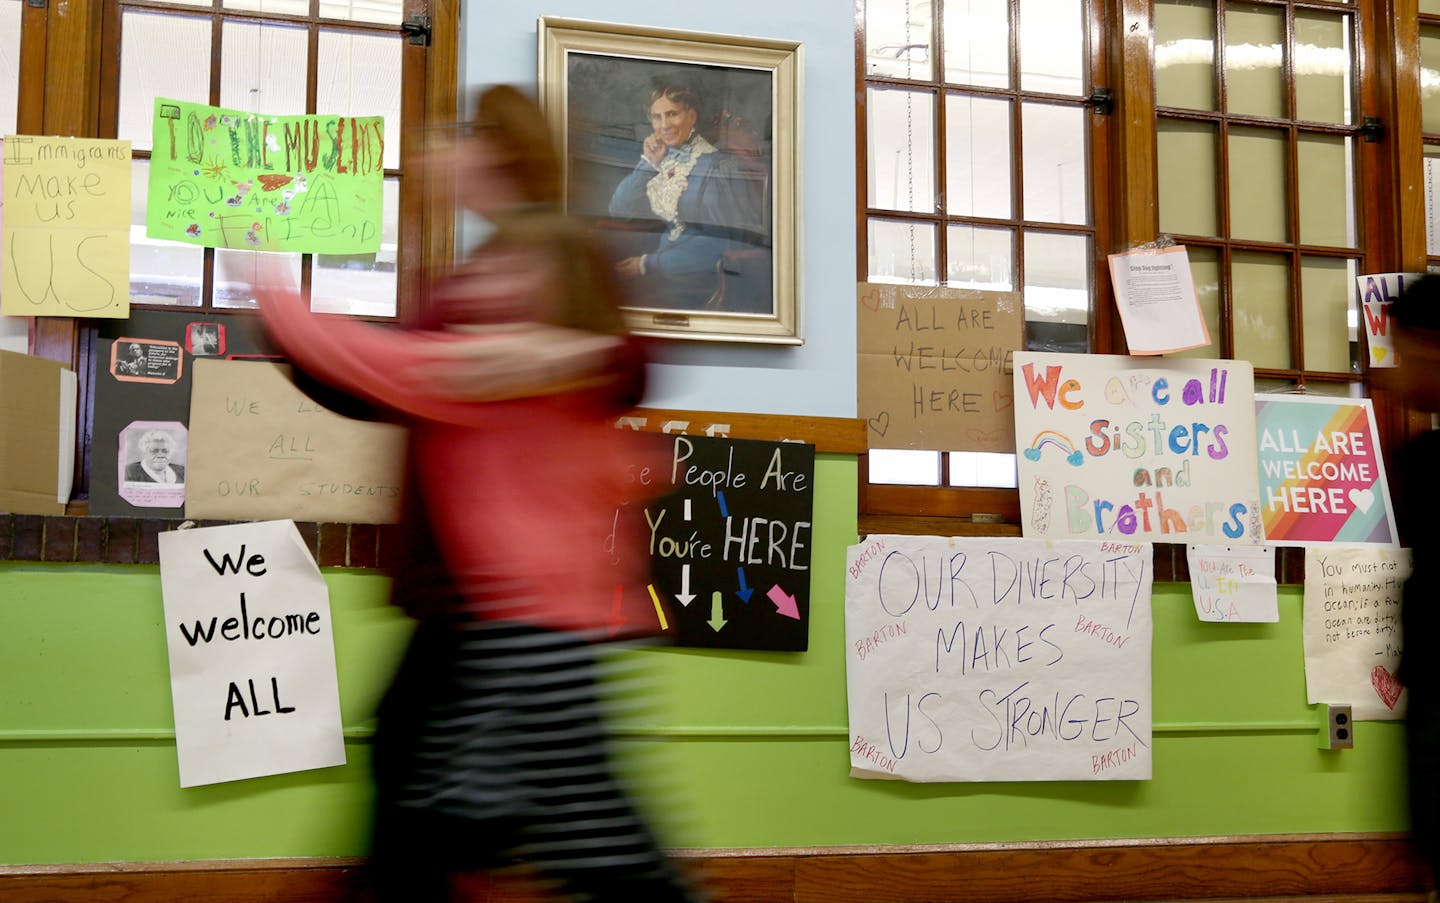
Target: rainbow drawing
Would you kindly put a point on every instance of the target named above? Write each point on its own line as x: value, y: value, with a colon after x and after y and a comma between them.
x: 1060, y: 441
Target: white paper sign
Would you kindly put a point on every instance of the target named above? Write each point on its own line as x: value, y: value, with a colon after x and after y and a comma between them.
x: 998, y: 659
x: 1234, y: 583
x: 1136, y: 449
x: 1352, y: 628
x: 1377, y: 290
x: 1155, y: 294
x: 252, y: 654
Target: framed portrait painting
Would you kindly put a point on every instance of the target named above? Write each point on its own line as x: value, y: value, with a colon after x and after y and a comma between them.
x: 681, y: 153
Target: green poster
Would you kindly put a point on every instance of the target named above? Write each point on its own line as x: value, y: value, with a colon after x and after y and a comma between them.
x: 227, y: 179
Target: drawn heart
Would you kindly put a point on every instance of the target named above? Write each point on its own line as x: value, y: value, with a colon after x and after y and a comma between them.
x: 1386, y: 686
x: 870, y: 300
x: 1002, y: 400
x: 881, y: 424
x: 987, y: 438
x: 1362, y: 499
x: 1379, y: 353
x: 1032, y: 454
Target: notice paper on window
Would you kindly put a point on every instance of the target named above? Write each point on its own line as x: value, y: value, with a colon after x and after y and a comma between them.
x: 1233, y: 583
x: 1156, y: 297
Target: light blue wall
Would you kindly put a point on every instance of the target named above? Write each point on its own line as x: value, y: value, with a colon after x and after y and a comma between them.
x: 814, y: 379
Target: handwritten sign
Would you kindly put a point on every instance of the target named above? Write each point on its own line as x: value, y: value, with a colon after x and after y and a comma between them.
x: 934, y: 366
x: 227, y: 179
x: 998, y: 659
x: 66, y: 232
x: 1322, y: 478
x: 728, y: 534
x: 1234, y: 583
x: 259, y: 448
x: 1352, y: 628
x: 252, y: 656
x: 1137, y: 450
x: 1155, y: 294
x: 1377, y: 290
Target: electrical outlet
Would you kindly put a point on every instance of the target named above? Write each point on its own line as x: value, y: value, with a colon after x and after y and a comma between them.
x: 1337, y: 730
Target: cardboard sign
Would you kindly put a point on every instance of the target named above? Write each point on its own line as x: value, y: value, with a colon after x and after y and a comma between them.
x: 260, y: 448
x: 1377, y: 290
x: 37, y: 434
x: 729, y: 542
x: 252, y: 655
x: 1352, y: 628
x: 934, y: 366
x: 227, y: 179
x: 998, y: 659
x: 1322, y: 477
x: 1153, y: 450
x: 1234, y: 584
x: 66, y: 232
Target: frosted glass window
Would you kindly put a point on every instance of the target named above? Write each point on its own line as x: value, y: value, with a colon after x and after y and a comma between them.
x: 1205, y: 271
x: 1185, y: 54
x: 977, y: 157
x: 1254, y: 38
x: 1260, y: 284
x: 386, y: 12
x: 897, y: 39
x: 1430, y: 80
x: 9, y: 65
x: 262, y: 68
x: 980, y: 258
x: 359, y: 75
x: 902, y: 252
x: 996, y: 471
x: 904, y: 466
x: 1331, y: 324
x: 1052, y: 46
x: 361, y: 284
x: 977, y: 43
x: 1189, y: 192
x: 1259, y: 209
x: 1057, y: 291
x: 161, y: 272
x: 1322, y: 67
x: 1053, y: 163
x: 901, y: 132
x: 284, y: 7
x: 1327, y: 190
x: 161, y: 55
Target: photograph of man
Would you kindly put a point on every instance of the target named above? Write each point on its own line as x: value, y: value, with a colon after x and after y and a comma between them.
x: 156, y: 449
x: 131, y: 360
x: 204, y: 338
x: 707, y: 203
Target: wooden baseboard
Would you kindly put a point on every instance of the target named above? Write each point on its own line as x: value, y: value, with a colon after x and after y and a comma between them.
x: 1366, y: 868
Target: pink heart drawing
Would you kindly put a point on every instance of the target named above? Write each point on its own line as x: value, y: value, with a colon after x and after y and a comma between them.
x: 1002, y: 400
x: 870, y: 299
x: 1386, y: 686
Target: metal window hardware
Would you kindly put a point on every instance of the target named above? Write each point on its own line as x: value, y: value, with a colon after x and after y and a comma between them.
x: 417, y: 29
x: 1372, y: 130
x: 1101, y: 100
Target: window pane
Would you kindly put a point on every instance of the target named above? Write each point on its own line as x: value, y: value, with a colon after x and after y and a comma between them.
x: 262, y: 68
x: 1327, y: 190
x: 359, y: 75
x: 905, y: 467
x: 897, y: 39
x: 1258, y: 207
x: 386, y: 12
x: 977, y: 43
x: 1261, y: 287
x: 1254, y: 37
x: 902, y: 252
x: 1053, y: 141
x: 1052, y: 46
x: 977, y: 156
x: 1331, y: 320
x: 980, y: 258
x: 1430, y: 7
x: 988, y: 469
x: 901, y: 132
x: 1057, y: 292
x: 236, y: 273
x: 286, y: 7
x: 9, y: 65
x: 159, y: 58
x: 161, y: 272
x: 1322, y: 67
x: 1187, y: 161
x: 1185, y: 54
x: 1430, y: 80
x: 1205, y: 270
x: 362, y: 284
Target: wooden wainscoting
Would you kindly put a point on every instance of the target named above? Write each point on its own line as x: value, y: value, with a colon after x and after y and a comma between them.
x: 1366, y: 868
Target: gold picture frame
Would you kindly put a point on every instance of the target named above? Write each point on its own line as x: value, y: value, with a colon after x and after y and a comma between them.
x: 682, y: 151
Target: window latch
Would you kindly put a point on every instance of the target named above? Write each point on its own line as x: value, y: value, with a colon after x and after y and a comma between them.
x: 1372, y: 130
x: 1100, y: 100
x: 417, y: 29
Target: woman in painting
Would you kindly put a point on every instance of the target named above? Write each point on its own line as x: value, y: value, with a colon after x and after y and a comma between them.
x: 705, y: 201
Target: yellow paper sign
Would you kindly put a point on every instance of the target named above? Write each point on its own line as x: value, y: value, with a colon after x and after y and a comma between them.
x: 66, y: 233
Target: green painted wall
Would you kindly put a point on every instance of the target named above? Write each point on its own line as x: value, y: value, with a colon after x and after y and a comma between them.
x: 740, y: 749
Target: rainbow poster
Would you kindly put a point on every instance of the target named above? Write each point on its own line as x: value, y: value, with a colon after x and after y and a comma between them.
x: 1136, y: 449
x: 1322, y: 477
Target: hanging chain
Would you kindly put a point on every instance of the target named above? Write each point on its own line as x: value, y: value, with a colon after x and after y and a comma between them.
x: 910, y: 143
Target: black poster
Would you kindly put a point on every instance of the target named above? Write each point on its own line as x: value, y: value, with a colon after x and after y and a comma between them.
x: 729, y: 542
x: 142, y: 404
